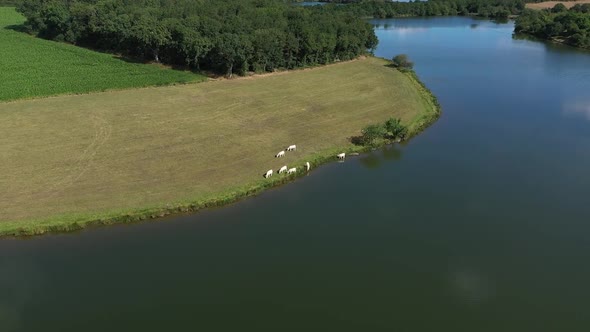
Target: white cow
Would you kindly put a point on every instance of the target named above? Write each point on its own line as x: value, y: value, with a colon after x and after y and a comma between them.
x: 341, y: 155
x: 307, y: 166
x: 268, y: 174
x: 292, y: 148
x: 283, y: 169
x: 280, y: 154
x: 292, y: 170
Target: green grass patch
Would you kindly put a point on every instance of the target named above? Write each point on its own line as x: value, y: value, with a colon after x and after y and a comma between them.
x: 129, y: 155
x: 34, y: 67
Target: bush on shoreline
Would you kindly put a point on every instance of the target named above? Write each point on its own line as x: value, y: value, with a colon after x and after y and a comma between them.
x: 376, y: 134
x: 401, y: 61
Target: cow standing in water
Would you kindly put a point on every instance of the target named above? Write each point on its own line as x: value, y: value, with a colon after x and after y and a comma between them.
x: 307, y: 166
x: 341, y: 155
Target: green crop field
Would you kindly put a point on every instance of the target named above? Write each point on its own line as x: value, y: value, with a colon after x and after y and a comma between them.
x: 34, y: 67
x: 78, y: 158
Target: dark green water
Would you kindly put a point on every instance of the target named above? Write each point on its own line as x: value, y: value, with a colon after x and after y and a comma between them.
x: 482, y: 223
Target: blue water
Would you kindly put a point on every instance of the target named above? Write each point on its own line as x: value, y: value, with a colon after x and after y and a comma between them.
x: 481, y: 223
x: 310, y: 3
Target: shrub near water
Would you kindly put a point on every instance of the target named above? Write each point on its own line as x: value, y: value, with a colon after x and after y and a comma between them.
x: 401, y: 61
x: 33, y: 67
x: 377, y: 134
x: 372, y: 133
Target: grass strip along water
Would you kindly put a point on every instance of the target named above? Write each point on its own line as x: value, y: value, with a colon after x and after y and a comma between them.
x: 123, y: 156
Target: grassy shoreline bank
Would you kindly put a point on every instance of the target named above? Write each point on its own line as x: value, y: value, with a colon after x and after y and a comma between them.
x: 76, y: 221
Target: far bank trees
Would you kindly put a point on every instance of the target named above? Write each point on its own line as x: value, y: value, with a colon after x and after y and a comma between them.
x: 568, y: 26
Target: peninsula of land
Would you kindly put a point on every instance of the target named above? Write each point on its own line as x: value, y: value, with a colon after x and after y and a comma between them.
x: 77, y: 157
x: 116, y: 156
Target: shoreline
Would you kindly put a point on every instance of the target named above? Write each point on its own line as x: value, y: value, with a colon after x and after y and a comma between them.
x: 553, y: 40
x: 73, y: 222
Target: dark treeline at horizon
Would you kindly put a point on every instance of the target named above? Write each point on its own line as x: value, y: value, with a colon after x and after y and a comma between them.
x: 495, y: 9
x: 224, y: 36
x: 237, y: 36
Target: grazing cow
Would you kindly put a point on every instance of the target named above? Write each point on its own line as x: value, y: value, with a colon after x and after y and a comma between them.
x: 283, y: 169
x: 292, y: 148
x: 341, y: 155
x: 268, y: 174
x: 307, y: 166
x: 292, y: 170
x: 280, y: 154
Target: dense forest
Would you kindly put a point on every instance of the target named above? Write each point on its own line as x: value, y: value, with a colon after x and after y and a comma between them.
x: 568, y: 26
x: 496, y: 9
x: 224, y: 36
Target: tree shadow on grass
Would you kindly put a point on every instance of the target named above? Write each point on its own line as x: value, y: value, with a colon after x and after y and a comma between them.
x: 17, y: 28
x: 138, y: 60
x: 398, y: 68
x: 356, y: 140
x: 129, y: 59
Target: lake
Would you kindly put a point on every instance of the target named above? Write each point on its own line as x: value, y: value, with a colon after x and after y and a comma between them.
x: 481, y: 223
x: 310, y: 3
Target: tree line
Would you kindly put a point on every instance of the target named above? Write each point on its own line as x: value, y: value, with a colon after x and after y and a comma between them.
x: 224, y: 36
x: 9, y: 3
x: 567, y: 26
x: 495, y: 9
x: 558, y: 23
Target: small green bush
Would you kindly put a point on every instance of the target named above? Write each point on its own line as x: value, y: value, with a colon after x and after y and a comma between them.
x: 372, y: 133
x: 395, y: 129
x: 402, y: 61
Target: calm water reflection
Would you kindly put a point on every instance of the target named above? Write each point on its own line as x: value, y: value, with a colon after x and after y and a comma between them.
x: 479, y: 224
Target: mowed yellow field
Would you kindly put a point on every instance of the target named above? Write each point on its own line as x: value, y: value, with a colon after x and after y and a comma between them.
x: 93, y: 154
x: 551, y: 4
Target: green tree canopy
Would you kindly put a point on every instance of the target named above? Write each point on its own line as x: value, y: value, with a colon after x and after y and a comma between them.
x: 225, y: 36
x: 371, y: 133
x: 395, y: 129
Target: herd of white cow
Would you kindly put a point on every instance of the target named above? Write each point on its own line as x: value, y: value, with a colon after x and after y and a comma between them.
x: 294, y: 169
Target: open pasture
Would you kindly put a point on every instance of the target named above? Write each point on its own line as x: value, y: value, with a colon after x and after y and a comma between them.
x: 82, y: 157
x: 34, y: 67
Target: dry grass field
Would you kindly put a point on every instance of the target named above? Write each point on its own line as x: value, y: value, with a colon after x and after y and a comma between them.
x: 551, y: 4
x: 82, y: 157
